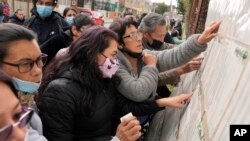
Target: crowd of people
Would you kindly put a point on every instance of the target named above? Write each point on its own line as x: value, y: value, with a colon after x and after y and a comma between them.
x: 63, y: 78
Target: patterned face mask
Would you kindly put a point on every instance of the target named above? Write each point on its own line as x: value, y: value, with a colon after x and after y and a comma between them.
x: 109, y: 68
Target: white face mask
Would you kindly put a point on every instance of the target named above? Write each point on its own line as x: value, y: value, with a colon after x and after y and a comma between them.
x: 25, y: 86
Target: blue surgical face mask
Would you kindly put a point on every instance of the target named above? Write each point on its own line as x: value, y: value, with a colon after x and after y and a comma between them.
x: 44, y: 11
x: 25, y: 86
x: 69, y: 20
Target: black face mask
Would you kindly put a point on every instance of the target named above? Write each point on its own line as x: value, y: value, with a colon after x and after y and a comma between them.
x: 156, y: 44
x: 132, y: 54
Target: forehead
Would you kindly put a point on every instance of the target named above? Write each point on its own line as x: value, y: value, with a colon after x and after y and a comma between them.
x: 20, y: 12
x: 23, y: 49
x: 160, y: 29
x: 71, y: 12
x: 130, y: 29
x: 113, y: 46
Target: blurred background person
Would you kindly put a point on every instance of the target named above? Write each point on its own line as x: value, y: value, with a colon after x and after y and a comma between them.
x: 69, y: 13
x: 174, y: 36
x: 45, y: 22
x: 1, y: 12
x: 18, y: 17
x: 59, y: 42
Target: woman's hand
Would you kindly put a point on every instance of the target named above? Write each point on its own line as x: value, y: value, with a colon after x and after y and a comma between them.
x: 175, y: 101
x: 129, y: 130
x: 209, y: 33
x: 192, y: 65
x: 149, y: 59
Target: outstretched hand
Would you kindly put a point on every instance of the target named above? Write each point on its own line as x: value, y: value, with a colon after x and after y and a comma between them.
x: 175, y: 101
x: 209, y: 33
x: 192, y: 65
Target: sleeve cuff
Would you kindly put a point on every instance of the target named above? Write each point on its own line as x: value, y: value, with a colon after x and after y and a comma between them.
x: 115, y: 138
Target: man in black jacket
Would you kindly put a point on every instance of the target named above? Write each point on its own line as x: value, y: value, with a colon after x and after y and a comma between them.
x: 17, y: 17
x: 58, y: 42
x: 45, y: 22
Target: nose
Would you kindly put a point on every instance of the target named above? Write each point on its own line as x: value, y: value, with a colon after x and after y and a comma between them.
x: 36, y: 71
x: 138, y: 39
x: 18, y: 134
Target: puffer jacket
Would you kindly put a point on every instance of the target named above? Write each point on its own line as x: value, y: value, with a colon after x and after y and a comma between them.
x: 46, y: 28
x: 14, y: 19
x: 65, y: 119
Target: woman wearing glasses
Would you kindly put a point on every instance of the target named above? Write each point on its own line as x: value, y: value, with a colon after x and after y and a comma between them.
x: 13, y: 118
x: 77, y: 98
x: 139, y: 71
x: 21, y: 59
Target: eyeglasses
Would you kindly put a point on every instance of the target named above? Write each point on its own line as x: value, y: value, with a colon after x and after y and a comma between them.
x: 25, y: 117
x: 134, y: 36
x: 27, y: 66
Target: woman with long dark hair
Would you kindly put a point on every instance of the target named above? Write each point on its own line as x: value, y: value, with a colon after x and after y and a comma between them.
x: 77, y: 96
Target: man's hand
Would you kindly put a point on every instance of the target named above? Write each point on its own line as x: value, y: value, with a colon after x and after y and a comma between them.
x: 209, y: 33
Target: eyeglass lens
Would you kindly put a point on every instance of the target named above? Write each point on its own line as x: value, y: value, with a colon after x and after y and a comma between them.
x: 6, y: 131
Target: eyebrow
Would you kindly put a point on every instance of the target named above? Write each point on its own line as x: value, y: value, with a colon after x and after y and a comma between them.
x: 25, y: 59
x: 132, y: 32
x: 28, y: 59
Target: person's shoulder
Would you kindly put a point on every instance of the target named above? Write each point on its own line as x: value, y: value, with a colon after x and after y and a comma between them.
x: 29, y: 20
x: 57, y: 16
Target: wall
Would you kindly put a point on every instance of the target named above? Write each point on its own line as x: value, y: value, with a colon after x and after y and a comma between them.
x: 221, y: 87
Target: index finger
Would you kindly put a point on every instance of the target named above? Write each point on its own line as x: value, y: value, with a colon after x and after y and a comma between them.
x: 214, y: 27
x: 186, y: 96
x: 197, y: 58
